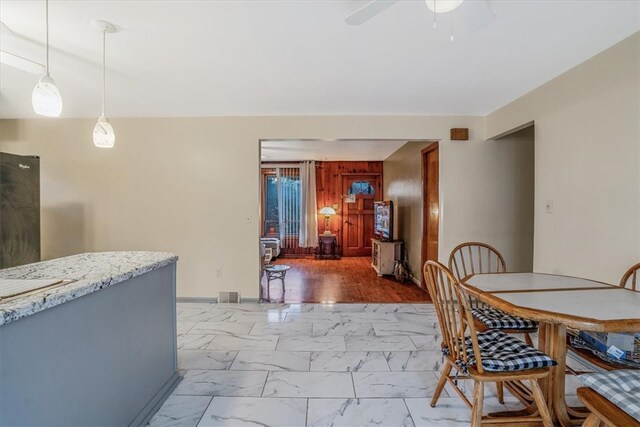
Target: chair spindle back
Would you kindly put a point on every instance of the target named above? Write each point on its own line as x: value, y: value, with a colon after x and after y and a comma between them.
x: 452, y: 309
x: 630, y: 277
x: 475, y: 257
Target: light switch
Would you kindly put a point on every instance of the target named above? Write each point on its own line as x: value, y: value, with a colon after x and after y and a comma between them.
x: 548, y: 206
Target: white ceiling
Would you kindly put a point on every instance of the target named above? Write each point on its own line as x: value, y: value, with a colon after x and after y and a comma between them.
x: 202, y: 58
x: 344, y: 149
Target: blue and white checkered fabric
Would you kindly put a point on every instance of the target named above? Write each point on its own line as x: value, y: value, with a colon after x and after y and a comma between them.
x: 496, y: 319
x: 501, y: 353
x: 620, y: 387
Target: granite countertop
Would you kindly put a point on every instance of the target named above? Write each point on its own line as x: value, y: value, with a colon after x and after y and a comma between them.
x: 90, y: 272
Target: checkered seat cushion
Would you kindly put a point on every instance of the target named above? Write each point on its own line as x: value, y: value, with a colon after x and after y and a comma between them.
x: 501, y: 353
x: 496, y: 319
x: 621, y: 387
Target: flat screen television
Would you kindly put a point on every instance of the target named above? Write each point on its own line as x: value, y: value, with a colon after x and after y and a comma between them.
x: 383, y: 220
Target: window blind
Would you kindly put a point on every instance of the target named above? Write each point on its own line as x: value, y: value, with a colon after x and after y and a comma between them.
x: 288, y: 184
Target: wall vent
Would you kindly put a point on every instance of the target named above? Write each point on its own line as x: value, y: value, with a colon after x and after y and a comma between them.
x: 228, y: 297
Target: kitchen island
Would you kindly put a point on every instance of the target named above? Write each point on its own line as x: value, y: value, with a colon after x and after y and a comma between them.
x: 95, y: 346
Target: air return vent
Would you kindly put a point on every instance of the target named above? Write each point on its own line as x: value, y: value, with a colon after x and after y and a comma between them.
x: 228, y: 297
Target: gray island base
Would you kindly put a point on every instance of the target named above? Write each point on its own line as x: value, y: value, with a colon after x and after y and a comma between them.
x: 100, y: 350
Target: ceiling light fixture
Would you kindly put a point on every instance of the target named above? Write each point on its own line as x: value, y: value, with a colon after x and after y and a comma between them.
x: 443, y: 6
x: 103, y: 134
x: 46, y: 99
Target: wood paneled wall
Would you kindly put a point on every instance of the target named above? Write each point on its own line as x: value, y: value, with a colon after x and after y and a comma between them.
x: 329, y: 189
x: 329, y: 193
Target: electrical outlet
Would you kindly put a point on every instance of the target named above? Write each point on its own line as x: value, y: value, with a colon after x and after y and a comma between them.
x: 219, y: 273
x: 548, y: 206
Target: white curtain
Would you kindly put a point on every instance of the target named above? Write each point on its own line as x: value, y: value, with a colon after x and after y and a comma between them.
x: 308, y: 208
x: 281, y: 216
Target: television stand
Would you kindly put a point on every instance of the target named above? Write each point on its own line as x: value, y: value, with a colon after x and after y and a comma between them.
x: 384, y: 255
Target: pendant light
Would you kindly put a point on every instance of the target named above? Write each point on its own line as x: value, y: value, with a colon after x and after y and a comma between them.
x: 103, y: 134
x: 46, y: 99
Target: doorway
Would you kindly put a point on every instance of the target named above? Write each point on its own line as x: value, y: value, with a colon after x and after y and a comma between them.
x: 430, y: 204
x: 358, y: 194
x: 349, y: 178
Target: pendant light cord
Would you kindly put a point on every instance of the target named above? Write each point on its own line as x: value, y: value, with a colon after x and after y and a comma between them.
x: 451, y: 34
x: 46, y: 20
x: 104, y: 37
x: 435, y: 15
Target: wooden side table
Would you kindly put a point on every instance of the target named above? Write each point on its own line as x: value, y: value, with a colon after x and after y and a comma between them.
x: 327, y: 247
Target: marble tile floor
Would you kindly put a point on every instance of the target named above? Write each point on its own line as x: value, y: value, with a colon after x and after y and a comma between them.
x: 290, y: 365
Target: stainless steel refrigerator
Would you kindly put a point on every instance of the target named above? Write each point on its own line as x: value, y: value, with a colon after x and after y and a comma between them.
x: 19, y: 209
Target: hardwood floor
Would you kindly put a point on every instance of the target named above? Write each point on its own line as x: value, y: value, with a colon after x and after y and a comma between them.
x: 346, y: 280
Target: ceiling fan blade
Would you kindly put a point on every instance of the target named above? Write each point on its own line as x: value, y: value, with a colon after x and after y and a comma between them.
x: 21, y: 63
x: 17, y: 61
x: 368, y: 11
x: 477, y: 14
x: 5, y: 30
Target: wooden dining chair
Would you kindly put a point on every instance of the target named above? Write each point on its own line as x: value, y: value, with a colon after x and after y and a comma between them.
x: 630, y: 277
x: 490, y: 356
x: 477, y: 258
x: 612, y: 398
x: 603, y: 411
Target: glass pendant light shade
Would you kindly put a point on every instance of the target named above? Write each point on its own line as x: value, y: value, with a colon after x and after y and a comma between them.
x: 443, y: 6
x: 103, y: 134
x: 46, y: 98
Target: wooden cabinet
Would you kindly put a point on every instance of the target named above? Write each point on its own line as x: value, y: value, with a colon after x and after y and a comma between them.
x: 384, y: 255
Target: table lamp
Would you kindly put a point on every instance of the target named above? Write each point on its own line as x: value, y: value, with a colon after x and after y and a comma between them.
x: 327, y: 212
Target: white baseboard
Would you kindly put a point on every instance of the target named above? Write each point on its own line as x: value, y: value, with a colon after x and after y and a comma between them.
x: 213, y: 300
x: 196, y: 299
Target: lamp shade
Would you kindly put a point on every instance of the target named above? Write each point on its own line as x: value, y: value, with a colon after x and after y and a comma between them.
x: 443, y: 6
x: 103, y: 134
x: 46, y: 98
x: 327, y: 211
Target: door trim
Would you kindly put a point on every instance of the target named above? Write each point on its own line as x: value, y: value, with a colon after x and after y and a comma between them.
x: 426, y: 218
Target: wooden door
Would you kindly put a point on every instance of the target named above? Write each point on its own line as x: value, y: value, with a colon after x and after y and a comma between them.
x: 359, y: 192
x: 430, y: 208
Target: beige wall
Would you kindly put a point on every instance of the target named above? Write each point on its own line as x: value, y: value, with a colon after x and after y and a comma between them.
x: 403, y: 184
x: 486, y: 195
x: 190, y: 185
x: 587, y: 152
x: 186, y: 185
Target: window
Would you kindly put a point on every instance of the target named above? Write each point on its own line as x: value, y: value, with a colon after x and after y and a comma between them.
x: 271, y: 223
x: 361, y: 187
x: 289, y: 188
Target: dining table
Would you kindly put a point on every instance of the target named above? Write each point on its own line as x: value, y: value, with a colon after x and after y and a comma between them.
x: 557, y: 302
